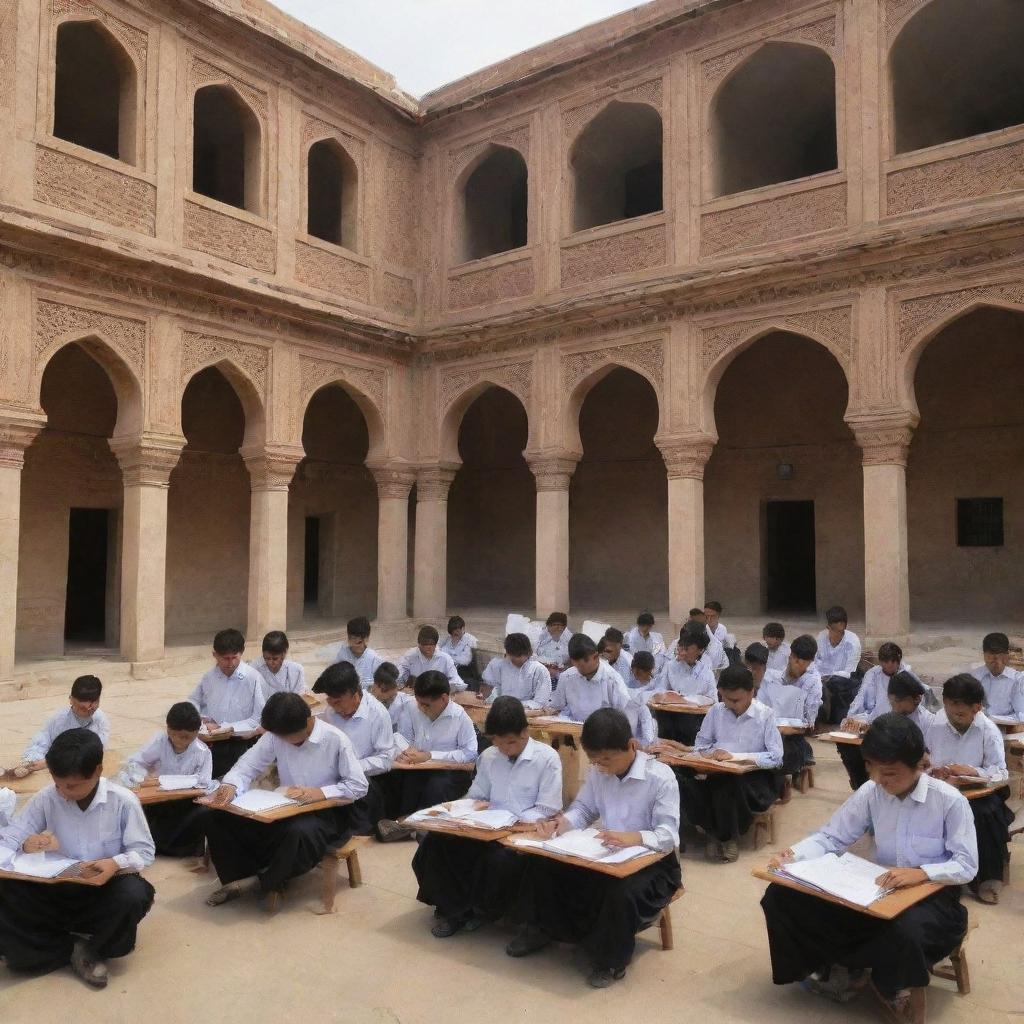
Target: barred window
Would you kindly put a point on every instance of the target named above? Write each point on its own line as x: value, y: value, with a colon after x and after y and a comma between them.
x: 979, y: 522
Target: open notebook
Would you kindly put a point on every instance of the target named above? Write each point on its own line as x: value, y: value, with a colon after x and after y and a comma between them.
x: 461, y: 813
x: 583, y: 843
x: 848, y: 876
x: 699, y: 700
x: 45, y: 864
x: 172, y: 783
x: 256, y: 800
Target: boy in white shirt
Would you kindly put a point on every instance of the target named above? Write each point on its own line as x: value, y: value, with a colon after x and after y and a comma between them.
x: 425, y: 657
x: 385, y: 688
x: 717, y: 629
x: 459, y: 646
x: 687, y: 678
x: 553, y: 645
x: 838, y: 658
x: 774, y: 637
x: 357, y: 652
x: 590, y: 684
x: 642, y: 637
x: 279, y: 675
x: 519, y: 675
x: 1004, y: 686
x: 613, y: 653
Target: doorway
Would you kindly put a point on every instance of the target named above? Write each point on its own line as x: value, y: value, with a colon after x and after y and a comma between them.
x: 311, y: 572
x: 789, y: 556
x: 85, y: 605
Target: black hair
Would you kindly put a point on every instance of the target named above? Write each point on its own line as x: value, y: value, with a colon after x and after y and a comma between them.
x: 427, y: 635
x: 774, y: 629
x: 602, y: 645
x: 837, y: 613
x: 804, y: 647
x: 757, y: 653
x: 695, y: 612
x: 432, y: 684
x: 386, y: 674
x: 506, y: 717
x: 275, y: 642
x: 606, y: 729
x: 715, y: 606
x: 184, y: 716
x: 893, y: 739
x: 76, y: 752
x: 890, y: 651
x: 359, y: 626
x: 644, y: 661
x: 645, y: 619
x: 736, y: 677
x: 996, y: 643
x: 456, y: 622
x: 337, y: 680
x: 285, y: 714
x: 557, y: 619
x: 902, y: 685
x: 581, y: 646
x: 613, y: 635
x: 86, y: 688
x: 965, y: 688
x: 694, y: 635
x: 229, y: 641
x: 518, y: 643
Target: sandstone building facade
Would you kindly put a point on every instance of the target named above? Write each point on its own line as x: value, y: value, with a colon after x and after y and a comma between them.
x: 717, y: 297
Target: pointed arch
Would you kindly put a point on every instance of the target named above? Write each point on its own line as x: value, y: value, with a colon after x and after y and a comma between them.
x: 492, y: 204
x: 451, y: 420
x: 248, y: 395
x: 227, y: 148
x: 375, y: 425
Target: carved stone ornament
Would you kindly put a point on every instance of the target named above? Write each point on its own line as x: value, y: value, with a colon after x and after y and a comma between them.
x: 433, y: 482
x: 272, y: 468
x: 15, y: 437
x: 147, y: 462
x: 552, y: 472
x: 686, y: 457
x: 883, y: 440
x: 393, y: 483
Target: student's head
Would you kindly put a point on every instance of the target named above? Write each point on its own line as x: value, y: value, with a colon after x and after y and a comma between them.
x: 426, y: 641
x: 963, y: 697
x: 339, y: 683
x: 228, y: 647
x: 432, y: 693
x: 358, y: 634
x: 506, y: 726
x: 836, y: 620
x: 644, y: 623
x: 608, y: 741
x: 802, y: 651
x: 890, y: 656
x: 642, y: 667
x: 904, y: 693
x: 712, y: 613
x: 456, y: 627
x: 275, y: 649
x: 287, y: 715
x: 583, y: 654
x: 602, y: 649
x: 755, y: 657
x: 995, y: 649
x: 893, y: 752
x: 736, y: 688
x: 614, y: 640
x: 385, y: 682
x: 557, y: 623
x: 693, y: 642
x: 697, y: 615
x: 75, y: 760
x: 85, y: 696
x: 183, y: 722
x: 518, y: 649
x: 773, y: 634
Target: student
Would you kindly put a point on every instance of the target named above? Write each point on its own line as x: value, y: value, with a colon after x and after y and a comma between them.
x: 425, y: 657
x: 637, y: 801
x: 8, y: 801
x: 87, y: 818
x: 687, y: 678
x: 755, y: 661
x: 715, y: 626
x: 83, y: 713
x: 589, y: 684
x: 1004, y: 686
x: 774, y: 636
x: 725, y: 805
x: 278, y: 674
x: 357, y: 652
x: 471, y: 882
x: 367, y: 724
x: 837, y: 661
x: 519, y: 675
x: 872, y: 698
x: 642, y: 637
x: 643, y: 676
x: 919, y: 823
x: 614, y: 654
x: 714, y: 653
x: 176, y: 826
x: 459, y: 646
x: 314, y: 762
x: 553, y: 645
x: 385, y: 688
x: 963, y: 741
x: 229, y: 696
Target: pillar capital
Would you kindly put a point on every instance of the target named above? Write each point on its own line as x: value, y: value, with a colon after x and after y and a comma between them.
x: 394, y: 480
x: 16, y: 434
x: 433, y: 481
x: 147, y: 459
x: 552, y: 470
x: 272, y: 467
x: 686, y: 455
x: 884, y: 438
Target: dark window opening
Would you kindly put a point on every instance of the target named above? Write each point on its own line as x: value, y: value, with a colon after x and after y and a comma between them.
x: 495, y: 205
x: 979, y: 522
x: 332, y: 181
x: 789, y: 556
x: 225, y: 149
x: 86, y: 597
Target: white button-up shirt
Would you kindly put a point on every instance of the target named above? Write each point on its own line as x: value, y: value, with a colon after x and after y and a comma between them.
x: 399, y: 708
x: 551, y: 651
x: 236, y: 700
x: 644, y: 800
x: 921, y: 717
x: 980, y: 746
x: 158, y: 757
x: 113, y: 825
x: 621, y: 665
x: 695, y: 680
x: 413, y: 664
x: 578, y: 697
x: 530, y: 786
x: 365, y: 665
x: 1004, y: 693
x: 8, y: 801
x: 325, y: 760
x: 290, y: 677
x: 779, y: 658
x: 370, y: 732
x: 641, y: 721
x: 530, y: 683
x: 449, y: 737
x: 62, y: 721
x: 461, y: 651
x: 872, y: 698
x: 754, y: 734
x: 841, y: 660
x: 653, y: 643
x: 792, y: 698
x: 931, y: 828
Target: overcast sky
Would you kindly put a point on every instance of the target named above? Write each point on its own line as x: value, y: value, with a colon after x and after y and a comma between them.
x: 427, y: 43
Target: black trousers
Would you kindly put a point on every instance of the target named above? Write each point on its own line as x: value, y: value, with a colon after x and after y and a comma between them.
x: 853, y: 762
x: 178, y: 827
x: 227, y: 752
x: 600, y: 913
x: 39, y: 923
x: 806, y: 934
x: 463, y: 876
x: 725, y: 805
x: 241, y: 848
x: 675, y: 725
x: 796, y: 754
x: 428, y: 786
x: 367, y: 811
x: 992, y: 820
x: 837, y: 694
x: 468, y: 674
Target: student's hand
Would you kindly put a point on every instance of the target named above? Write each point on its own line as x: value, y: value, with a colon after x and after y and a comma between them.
x: 99, y: 872
x: 962, y: 769
x: 719, y: 755
x: 671, y: 747
x: 40, y: 842
x: 210, y: 723
x: 481, y: 805
x: 849, y: 725
x: 304, y: 794
x: 220, y: 797
x: 150, y: 780
x: 413, y: 756
x: 901, y: 878
x: 781, y: 858
x: 619, y: 840
x: 669, y: 697
x: 942, y: 773
x: 548, y: 828
x: 534, y: 712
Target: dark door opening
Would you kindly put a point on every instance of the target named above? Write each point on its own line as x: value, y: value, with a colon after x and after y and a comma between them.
x: 311, y: 571
x: 789, y: 556
x: 85, y: 607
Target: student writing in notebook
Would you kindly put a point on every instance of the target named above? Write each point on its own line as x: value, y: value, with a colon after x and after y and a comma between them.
x: 591, y: 683
x: 425, y: 657
x: 643, y: 638
x: 774, y: 637
x: 460, y: 646
x: 357, y: 651
x: 519, y: 675
x: 385, y: 688
x: 553, y: 645
x: 1004, y: 686
x: 278, y: 673
x: 687, y: 678
x: 613, y: 653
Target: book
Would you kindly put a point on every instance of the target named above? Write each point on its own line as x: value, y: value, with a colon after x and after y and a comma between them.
x: 172, y: 783
x: 583, y: 843
x: 462, y: 813
x: 258, y: 800
x: 792, y: 723
x: 554, y: 720
x: 844, y: 735
x: 848, y: 876
x: 44, y: 864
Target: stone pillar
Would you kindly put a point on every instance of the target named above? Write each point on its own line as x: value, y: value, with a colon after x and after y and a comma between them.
x: 885, y: 444
x: 685, y: 459
x: 552, y: 473
x: 430, y: 573
x: 15, y: 437
x: 270, y: 474
x: 146, y: 465
x: 393, y: 487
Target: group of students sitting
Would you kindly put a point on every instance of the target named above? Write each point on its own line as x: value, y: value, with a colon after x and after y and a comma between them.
x: 242, y: 720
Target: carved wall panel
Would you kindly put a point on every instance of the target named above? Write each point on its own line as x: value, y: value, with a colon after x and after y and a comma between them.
x: 647, y: 357
x: 517, y: 138
x: 401, y: 202
x: 920, y: 315
x: 516, y: 377
x: 397, y: 292
x: 609, y: 255
x: 332, y: 272
x: 199, y: 349
x: 201, y: 72
x: 230, y: 238
x: 133, y: 39
x: 491, y: 284
x: 576, y: 118
x: 897, y: 13
x: 57, y: 322
x: 316, y: 373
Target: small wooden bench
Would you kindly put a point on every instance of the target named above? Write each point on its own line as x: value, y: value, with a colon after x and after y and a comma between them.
x: 957, y: 970
x: 349, y: 853
x: 664, y: 921
x: 763, y: 828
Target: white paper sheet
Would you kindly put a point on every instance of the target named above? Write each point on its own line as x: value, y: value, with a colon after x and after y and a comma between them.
x: 552, y: 719
x: 173, y: 783
x: 595, y: 630
x: 261, y: 800
x: 845, y: 735
x: 849, y: 877
x: 45, y: 864
x: 461, y: 812
x: 794, y: 723
x: 585, y: 844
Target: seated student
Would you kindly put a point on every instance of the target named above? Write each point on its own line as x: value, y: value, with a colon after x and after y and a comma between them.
x: 8, y: 801
x: 1004, y: 686
x: 755, y: 660
x: 459, y: 646
x: 872, y: 698
x: 837, y: 661
x: 385, y: 688
x: 86, y: 818
x: 963, y: 741
x: 357, y: 652
x: 920, y: 824
x: 83, y: 713
x: 314, y: 762
x: 713, y: 618
x: 590, y: 684
x: 471, y: 882
x: 425, y: 657
x: 686, y: 678
x: 553, y: 645
x: 278, y: 674
x: 774, y: 636
x: 229, y: 696
x: 725, y: 805
x: 613, y: 652
x: 367, y: 724
x: 714, y: 654
x: 643, y: 676
x: 642, y: 637
x: 519, y: 675
x: 637, y: 801
x: 177, y: 826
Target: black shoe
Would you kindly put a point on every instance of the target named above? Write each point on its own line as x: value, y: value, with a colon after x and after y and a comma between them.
x: 446, y: 927
x: 602, y: 977
x: 389, y: 831
x: 474, y: 922
x: 528, y: 941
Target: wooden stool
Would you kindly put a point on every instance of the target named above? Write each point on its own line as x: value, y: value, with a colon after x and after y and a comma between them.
x: 664, y: 920
x: 349, y: 853
x: 805, y: 780
x: 764, y: 828
x: 957, y: 969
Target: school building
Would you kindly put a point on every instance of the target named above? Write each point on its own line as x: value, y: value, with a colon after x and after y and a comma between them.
x: 715, y: 298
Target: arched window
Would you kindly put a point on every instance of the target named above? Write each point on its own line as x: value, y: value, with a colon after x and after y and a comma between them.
x: 94, y: 94
x: 226, y: 148
x: 494, y: 199
x: 332, y: 194
x: 616, y: 161
x: 774, y: 119
x: 956, y: 71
